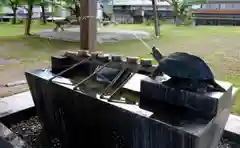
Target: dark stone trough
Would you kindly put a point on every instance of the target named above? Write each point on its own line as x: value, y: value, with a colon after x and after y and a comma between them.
x: 82, y: 118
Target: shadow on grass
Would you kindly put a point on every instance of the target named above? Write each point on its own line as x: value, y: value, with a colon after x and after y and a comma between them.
x: 32, y: 47
x: 8, y: 29
x: 37, y: 43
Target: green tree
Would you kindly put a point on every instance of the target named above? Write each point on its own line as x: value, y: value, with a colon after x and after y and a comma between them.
x: 14, y: 4
x: 43, y: 3
x: 29, y: 9
x: 73, y: 6
x: 181, y: 8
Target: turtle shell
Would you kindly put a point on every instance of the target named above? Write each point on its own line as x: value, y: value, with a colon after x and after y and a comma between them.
x: 184, y: 65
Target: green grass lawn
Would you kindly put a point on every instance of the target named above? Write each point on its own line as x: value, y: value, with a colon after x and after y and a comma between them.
x: 217, y: 45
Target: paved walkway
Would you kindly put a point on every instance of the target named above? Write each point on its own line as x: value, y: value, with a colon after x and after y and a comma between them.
x: 104, y: 35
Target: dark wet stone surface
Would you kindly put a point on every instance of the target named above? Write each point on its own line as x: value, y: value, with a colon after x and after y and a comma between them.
x: 208, y: 104
x: 10, y: 139
x: 4, y: 143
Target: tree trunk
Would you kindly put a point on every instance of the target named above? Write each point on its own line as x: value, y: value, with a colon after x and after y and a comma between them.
x: 43, y: 14
x: 14, y: 9
x: 178, y: 20
x: 77, y: 11
x: 175, y: 13
x: 29, y: 19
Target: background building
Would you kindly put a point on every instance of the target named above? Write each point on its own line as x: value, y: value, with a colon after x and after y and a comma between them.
x: 217, y: 12
x: 135, y: 11
x: 120, y: 11
x: 6, y: 12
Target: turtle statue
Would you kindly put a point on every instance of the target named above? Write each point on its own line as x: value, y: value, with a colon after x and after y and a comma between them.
x: 186, y: 68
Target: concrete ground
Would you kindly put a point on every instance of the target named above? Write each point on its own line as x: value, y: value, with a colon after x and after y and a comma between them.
x: 104, y: 35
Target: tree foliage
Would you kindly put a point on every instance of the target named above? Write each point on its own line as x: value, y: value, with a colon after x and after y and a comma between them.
x: 43, y: 3
x: 13, y: 4
x: 73, y: 5
x: 29, y: 9
x: 181, y: 8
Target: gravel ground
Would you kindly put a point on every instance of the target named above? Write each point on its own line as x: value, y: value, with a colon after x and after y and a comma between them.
x: 225, y: 143
x: 29, y: 130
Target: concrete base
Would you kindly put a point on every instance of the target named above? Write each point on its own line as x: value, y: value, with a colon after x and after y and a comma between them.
x: 15, y: 103
x: 104, y: 35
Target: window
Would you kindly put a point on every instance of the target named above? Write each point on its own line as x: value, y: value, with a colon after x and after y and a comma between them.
x: 223, y: 6
x: 210, y: 6
x: 227, y: 6
x: 204, y: 6
x: 236, y: 6
x: 214, y: 6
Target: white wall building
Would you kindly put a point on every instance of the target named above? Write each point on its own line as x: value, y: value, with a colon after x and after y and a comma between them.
x: 21, y: 11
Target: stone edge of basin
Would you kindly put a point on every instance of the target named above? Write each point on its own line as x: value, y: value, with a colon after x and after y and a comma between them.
x: 232, y: 128
x: 15, y: 104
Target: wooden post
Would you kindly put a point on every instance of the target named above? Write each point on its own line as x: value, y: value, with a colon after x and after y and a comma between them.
x: 88, y: 26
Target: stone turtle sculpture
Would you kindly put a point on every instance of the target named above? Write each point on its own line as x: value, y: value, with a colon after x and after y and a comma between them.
x: 186, y: 68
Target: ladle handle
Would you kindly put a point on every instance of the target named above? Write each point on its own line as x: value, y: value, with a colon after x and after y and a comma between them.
x: 113, y: 82
x: 88, y: 77
x: 70, y: 68
x: 117, y: 89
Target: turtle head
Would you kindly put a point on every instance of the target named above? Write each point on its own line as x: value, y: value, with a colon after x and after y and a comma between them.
x: 156, y: 54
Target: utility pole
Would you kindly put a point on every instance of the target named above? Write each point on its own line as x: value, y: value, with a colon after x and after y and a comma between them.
x: 156, y: 21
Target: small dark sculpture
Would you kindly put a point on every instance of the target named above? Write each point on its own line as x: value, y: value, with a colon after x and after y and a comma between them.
x: 186, y: 68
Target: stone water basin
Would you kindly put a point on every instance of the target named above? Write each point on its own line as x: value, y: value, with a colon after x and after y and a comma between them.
x: 100, y: 116
x: 29, y: 130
